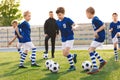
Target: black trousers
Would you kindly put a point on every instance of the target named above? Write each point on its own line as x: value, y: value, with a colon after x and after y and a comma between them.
x: 52, y: 43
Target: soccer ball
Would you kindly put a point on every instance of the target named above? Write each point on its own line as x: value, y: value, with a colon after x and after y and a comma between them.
x: 54, y: 67
x: 48, y: 63
x: 87, y: 65
x: 45, y: 56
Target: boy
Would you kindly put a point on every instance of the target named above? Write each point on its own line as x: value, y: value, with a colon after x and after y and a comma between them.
x: 66, y: 26
x: 115, y: 33
x: 26, y: 31
x: 99, y: 34
x: 14, y: 24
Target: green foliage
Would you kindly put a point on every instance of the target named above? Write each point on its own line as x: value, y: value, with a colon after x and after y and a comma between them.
x: 9, y: 10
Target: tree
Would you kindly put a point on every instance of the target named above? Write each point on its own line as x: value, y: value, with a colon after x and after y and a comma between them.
x: 9, y: 10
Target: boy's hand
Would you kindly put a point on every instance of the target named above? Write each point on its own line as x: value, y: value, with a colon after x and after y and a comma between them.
x: 96, y: 35
x: 20, y: 36
x: 9, y: 43
x: 110, y: 30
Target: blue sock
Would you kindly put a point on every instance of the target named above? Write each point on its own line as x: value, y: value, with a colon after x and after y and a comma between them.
x: 70, y: 59
x: 98, y: 57
x: 92, y: 56
x: 22, y: 59
x: 33, y: 56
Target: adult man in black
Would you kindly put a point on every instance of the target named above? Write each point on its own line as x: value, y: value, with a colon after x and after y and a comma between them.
x: 51, y: 31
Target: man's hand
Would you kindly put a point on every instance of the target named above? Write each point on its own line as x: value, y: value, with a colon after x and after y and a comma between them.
x: 46, y: 35
x: 96, y: 35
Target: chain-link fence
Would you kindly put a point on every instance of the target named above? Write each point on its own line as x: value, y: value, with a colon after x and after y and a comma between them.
x: 83, y: 35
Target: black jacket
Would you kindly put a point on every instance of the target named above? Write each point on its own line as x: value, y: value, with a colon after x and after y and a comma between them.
x: 50, y: 27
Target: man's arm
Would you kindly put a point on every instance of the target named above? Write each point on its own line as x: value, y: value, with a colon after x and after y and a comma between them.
x: 14, y: 38
x: 57, y: 29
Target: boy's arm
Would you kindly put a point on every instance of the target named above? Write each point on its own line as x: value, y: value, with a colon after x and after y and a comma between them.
x: 100, y: 29
x: 111, y: 28
x: 16, y: 29
x: 12, y: 40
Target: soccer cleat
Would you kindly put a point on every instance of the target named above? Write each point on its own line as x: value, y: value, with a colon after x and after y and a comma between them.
x: 75, y: 58
x: 93, y: 71
x: 72, y: 68
x: 35, y: 65
x: 22, y: 67
x: 102, y: 64
x: 116, y: 58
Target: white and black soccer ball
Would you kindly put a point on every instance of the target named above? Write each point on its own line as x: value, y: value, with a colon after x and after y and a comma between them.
x: 45, y: 56
x: 87, y: 65
x: 48, y: 63
x: 54, y: 67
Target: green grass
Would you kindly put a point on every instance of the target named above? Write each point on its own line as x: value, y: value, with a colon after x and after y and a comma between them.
x: 9, y: 62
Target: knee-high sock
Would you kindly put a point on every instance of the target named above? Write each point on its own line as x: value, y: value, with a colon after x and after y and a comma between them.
x: 22, y: 58
x: 70, y: 59
x: 98, y: 57
x: 20, y: 51
x: 115, y: 52
x: 33, y: 56
x: 92, y: 56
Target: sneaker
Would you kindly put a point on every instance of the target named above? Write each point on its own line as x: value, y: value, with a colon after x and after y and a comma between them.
x: 21, y: 67
x: 35, y: 65
x: 93, y: 71
x: 72, y: 68
x: 75, y: 58
x: 102, y: 64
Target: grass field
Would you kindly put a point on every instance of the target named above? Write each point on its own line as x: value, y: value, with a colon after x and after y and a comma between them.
x: 9, y: 62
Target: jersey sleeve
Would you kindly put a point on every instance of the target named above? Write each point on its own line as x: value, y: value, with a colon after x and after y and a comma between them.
x: 70, y: 22
x: 98, y: 23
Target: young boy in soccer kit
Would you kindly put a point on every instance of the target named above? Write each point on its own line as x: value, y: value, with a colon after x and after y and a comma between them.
x: 99, y: 34
x: 14, y: 24
x: 27, y: 44
x: 115, y: 33
x: 66, y: 26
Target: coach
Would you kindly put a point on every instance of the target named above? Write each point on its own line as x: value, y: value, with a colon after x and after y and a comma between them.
x: 50, y: 31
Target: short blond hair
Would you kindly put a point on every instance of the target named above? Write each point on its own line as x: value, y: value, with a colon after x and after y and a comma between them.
x: 90, y: 10
x: 26, y: 13
x: 14, y: 21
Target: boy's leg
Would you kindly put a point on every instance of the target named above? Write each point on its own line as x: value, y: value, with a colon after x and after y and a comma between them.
x: 115, y: 52
x: 22, y: 59
x: 20, y: 51
x: 93, y: 59
x: 92, y: 48
x: 66, y: 53
x: 30, y: 45
x: 118, y: 37
x: 102, y: 62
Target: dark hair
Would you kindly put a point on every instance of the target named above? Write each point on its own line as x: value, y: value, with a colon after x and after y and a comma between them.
x: 115, y: 14
x: 90, y: 10
x: 50, y: 11
x: 60, y: 10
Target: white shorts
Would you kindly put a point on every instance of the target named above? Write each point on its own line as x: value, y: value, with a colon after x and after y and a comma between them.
x: 19, y: 45
x: 96, y: 44
x: 115, y: 39
x: 68, y: 43
x: 28, y: 45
